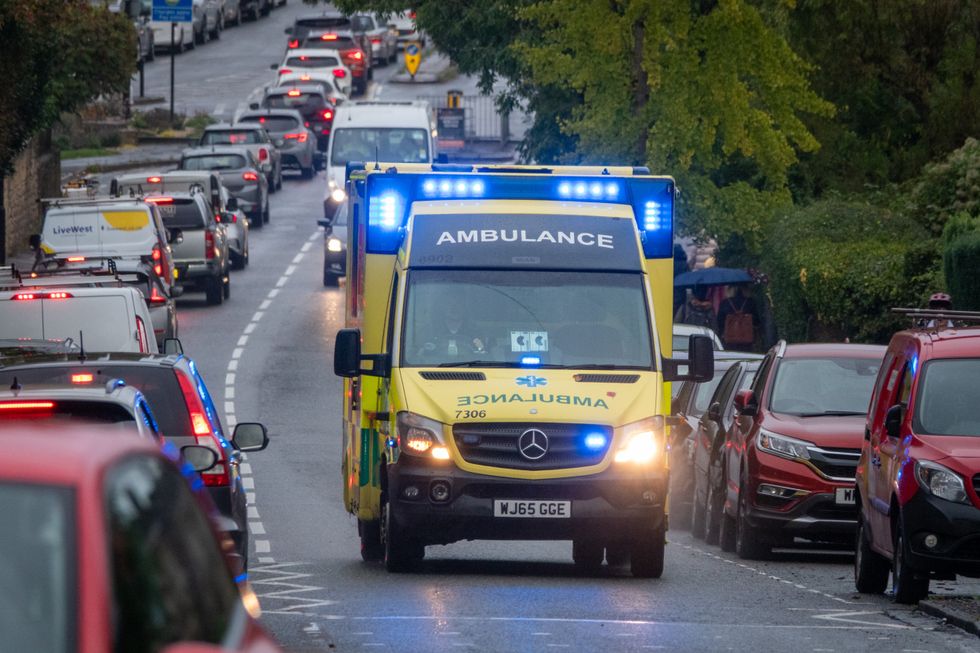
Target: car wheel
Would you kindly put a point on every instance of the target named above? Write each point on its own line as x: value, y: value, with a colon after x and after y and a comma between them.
x: 400, y: 552
x: 245, y: 258
x: 279, y: 180
x: 271, y: 179
x: 712, y: 517
x: 647, y: 554
x: 226, y: 285
x: 870, y: 569
x: 330, y: 280
x: 214, y: 291
x: 265, y: 213
x: 216, y: 34
x: 907, y: 586
x: 370, y: 533
x: 747, y: 542
x: 237, y: 261
x: 307, y: 173
x: 587, y: 555
x: 697, y: 517
x: 726, y: 531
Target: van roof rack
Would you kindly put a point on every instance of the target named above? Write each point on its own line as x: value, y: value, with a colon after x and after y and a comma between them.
x: 930, y: 314
x: 63, y: 201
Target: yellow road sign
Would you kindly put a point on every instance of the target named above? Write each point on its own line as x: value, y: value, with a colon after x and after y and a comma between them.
x: 413, y: 57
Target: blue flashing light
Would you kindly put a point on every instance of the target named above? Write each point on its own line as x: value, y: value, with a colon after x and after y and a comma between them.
x: 445, y: 187
x: 595, y: 190
x: 477, y: 187
x: 612, y: 190
x: 596, y: 441
x: 652, y: 216
x: 565, y: 189
x: 913, y: 364
x: 530, y: 360
x: 429, y: 187
x: 580, y: 189
x: 241, y: 578
x: 388, y: 211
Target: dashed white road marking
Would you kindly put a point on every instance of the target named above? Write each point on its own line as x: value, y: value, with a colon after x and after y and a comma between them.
x: 237, y: 352
x: 265, y: 304
x: 298, y: 257
x: 256, y: 527
x: 282, y: 282
x: 267, y: 560
x: 246, y: 469
x: 230, y: 378
x: 258, y: 316
x: 230, y: 392
x: 229, y: 407
x: 316, y: 234
x: 248, y: 483
x: 250, y: 498
x: 262, y: 546
x: 272, y: 293
x: 232, y: 365
x: 289, y: 271
x: 243, y: 341
x: 252, y: 512
x: 307, y: 245
x: 249, y: 328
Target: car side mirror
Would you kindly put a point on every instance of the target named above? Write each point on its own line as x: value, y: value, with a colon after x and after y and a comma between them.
x: 288, y: 30
x: 326, y: 224
x: 714, y: 412
x: 172, y: 346
x: 893, y: 420
x: 274, y: 66
x: 347, y: 357
x: 176, y: 291
x: 231, y: 204
x: 250, y: 436
x: 253, y: 106
x: 34, y: 241
x: 746, y: 404
x: 199, y: 457
x: 700, y: 362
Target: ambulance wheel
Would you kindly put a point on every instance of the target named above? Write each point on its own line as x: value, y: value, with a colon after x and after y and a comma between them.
x: 647, y: 554
x: 371, y: 548
x: 400, y: 552
x: 587, y: 555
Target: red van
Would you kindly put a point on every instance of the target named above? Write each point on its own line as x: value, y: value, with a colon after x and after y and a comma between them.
x: 792, y: 450
x: 918, y: 478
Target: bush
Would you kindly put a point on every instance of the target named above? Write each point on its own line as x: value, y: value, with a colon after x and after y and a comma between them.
x: 946, y: 188
x: 961, y: 260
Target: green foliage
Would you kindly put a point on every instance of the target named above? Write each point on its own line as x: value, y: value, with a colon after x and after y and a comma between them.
x: 948, y: 187
x: 961, y: 260
x: 837, y: 266
x: 56, y: 55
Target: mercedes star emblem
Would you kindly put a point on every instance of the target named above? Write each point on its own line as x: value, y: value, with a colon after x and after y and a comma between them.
x: 533, y: 444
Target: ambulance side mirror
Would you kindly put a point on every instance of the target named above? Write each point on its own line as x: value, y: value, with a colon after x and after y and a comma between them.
x: 700, y: 362
x: 347, y: 357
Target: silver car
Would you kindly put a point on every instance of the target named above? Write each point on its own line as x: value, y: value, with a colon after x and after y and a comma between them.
x: 236, y: 229
x: 239, y: 173
x: 256, y: 139
x: 286, y: 128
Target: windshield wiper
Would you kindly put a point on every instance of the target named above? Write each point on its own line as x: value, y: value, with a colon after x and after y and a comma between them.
x: 832, y: 413
x: 478, y: 364
x: 603, y: 366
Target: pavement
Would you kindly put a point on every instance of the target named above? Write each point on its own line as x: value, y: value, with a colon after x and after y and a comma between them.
x: 266, y: 355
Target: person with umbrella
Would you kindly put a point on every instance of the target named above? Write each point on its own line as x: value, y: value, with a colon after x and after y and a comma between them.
x: 698, y: 309
x: 737, y: 321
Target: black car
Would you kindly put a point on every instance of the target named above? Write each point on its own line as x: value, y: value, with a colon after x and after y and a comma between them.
x: 181, y: 404
x: 335, y: 246
x: 316, y: 108
x: 708, y: 493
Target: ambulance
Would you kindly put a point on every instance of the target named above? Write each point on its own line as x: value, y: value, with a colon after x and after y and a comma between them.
x: 507, y: 359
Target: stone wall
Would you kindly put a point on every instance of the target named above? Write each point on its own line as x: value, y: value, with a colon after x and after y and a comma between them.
x: 37, y: 174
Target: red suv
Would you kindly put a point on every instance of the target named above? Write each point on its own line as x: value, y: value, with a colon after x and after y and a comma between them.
x: 792, y: 450
x: 918, y: 479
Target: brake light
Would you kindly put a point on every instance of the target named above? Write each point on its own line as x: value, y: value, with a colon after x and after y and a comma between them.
x: 294, y: 43
x: 26, y: 405
x: 217, y: 475
x: 327, y: 115
x: 209, y: 248
x: 59, y: 295
x: 159, y: 200
x: 75, y: 259
x: 263, y: 154
x: 141, y: 336
x: 157, y: 255
x: 250, y: 176
x: 328, y: 37
x: 376, y: 41
x: 357, y: 55
x: 156, y: 299
x: 301, y: 137
x: 82, y: 378
x: 261, y: 121
x: 305, y: 78
x: 153, y: 180
x: 339, y: 73
x: 285, y: 71
x: 293, y: 93
x: 26, y: 296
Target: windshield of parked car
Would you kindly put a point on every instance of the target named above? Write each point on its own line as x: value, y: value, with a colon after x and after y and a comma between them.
x: 231, y: 137
x: 501, y: 317
x: 395, y: 145
x: 274, y: 123
x: 948, y: 397
x: 811, y: 387
x: 306, y: 61
x: 37, y: 573
x: 213, y: 162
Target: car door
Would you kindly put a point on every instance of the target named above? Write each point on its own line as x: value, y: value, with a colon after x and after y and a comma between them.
x: 886, y: 456
x: 708, y: 432
x: 869, y: 464
x: 742, y: 428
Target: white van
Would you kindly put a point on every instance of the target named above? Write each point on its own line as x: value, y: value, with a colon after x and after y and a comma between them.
x: 391, y: 132
x: 99, y: 318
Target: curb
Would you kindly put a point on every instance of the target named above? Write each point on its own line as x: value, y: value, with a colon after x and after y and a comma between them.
x: 444, y: 74
x: 954, y: 617
x: 164, y: 140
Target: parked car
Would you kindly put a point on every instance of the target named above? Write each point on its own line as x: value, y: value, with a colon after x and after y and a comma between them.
x: 253, y: 137
x: 255, y: 8
x: 295, y: 141
x: 240, y: 174
x: 109, y: 548
x: 324, y: 60
x: 335, y: 247
x: 201, y: 255
x: 382, y: 39
x: 793, y: 448
x: 315, y: 107
x: 918, y: 478
x: 185, y: 413
x: 688, y: 407
x: 138, y: 11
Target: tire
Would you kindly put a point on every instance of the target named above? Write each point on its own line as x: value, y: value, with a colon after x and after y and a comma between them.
x: 400, y: 552
x: 870, y: 569
x: 617, y: 555
x: 237, y: 261
x: 907, y: 587
x: 226, y: 286
x: 697, y: 517
x: 712, y: 516
x: 748, y: 546
x: 214, y: 291
x: 726, y: 532
x: 201, y: 39
x: 587, y: 555
x: 370, y: 533
x: 255, y: 222
x: 330, y: 280
x: 647, y: 555
x: 265, y: 213
x: 279, y: 180
x: 307, y: 173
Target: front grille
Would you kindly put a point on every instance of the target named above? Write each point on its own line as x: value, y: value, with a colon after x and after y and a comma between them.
x: 453, y: 376
x: 968, y: 549
x: 835, y: 463
x: 607, y: 378
x: 831, y: 510
x: 496, y: 445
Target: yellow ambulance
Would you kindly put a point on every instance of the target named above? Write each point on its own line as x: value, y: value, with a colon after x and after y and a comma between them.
x: 507, y: 359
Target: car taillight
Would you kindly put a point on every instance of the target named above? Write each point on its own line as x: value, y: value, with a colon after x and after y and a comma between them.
x: 25, y: 296
x: 27, y: 405
x: 263, y: 154
x: 293, y: 44
x: 157, y: 257
x: 285, y: 71
x: 141, y: 336
x: 339, y: 73
x: 328, y: 37
x: 357, y: 55
x: 208, y: 245
x: 153, y: 180
x: 156, y: 299
x: 217, y: 475
x: 327, y: 115
x: 250, y: 176
x: 59, y: 295
x: 82, y: 378
x: 75, y: 259
x: 301, y: 137
x: 159, y: 200
x: 376, y: 41
x: 294, y: 93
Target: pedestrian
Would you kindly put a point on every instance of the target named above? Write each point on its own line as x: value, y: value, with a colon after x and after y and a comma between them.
x: 737, y: 321
x: 697, y: 310
x: 940, y: 301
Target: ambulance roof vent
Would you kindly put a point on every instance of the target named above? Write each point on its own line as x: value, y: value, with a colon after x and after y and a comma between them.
x: 453, y: 376
x: 607, y: 378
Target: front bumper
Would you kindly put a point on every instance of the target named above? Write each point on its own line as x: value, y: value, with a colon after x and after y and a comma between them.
x: 957, y: 527
x: 618, y: 505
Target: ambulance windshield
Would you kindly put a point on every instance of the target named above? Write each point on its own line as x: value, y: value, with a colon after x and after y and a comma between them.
x: 506, y: 318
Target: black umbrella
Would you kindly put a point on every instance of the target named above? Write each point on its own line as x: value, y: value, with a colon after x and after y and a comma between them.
x: 712, y: 277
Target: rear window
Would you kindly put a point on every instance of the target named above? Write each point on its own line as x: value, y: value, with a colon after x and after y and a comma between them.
x: 274, y: 123
x: 182, y: 214
x: 213, y: 162
x: 37, y: 586
x: 303, y: 101
x: 231, y: 137
x: 329, y: 42
x: 158, y: 384
x: 305, y: 61
x: 102, y: 323
x: 74, y: 411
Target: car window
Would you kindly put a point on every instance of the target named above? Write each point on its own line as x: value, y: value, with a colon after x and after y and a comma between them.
x: 759, y: 381
x: 880, y: 381
x: 947, y: 398
x: 231, y: 137
x: 38, y: 562
x: 274, y: 123
x: 66, y: 410
x: 819, y: 386
x: 363, y: 23
x: 702, y: 395
x: 724, y: 389
x: 213, y: 162
x: 182, y: 213
x: 307, y: 61
x: 300, y: 101
x: 397, y: 145
x: 330, y: 42
x: 170, y: 582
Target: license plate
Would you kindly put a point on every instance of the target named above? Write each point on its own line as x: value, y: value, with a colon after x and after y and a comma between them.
x: 545, y: 509
x: 844, y: 496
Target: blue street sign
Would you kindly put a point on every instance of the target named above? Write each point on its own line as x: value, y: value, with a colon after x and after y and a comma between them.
x: 173, y: 11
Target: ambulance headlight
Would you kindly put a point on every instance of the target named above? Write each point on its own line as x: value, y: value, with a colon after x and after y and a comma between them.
x: 338, y: 195
x: 641, y: 442
x: 420, y: 436
x: 334, y: 245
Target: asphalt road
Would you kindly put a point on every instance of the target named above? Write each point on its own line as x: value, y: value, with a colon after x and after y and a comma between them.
x: 266, y: 355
